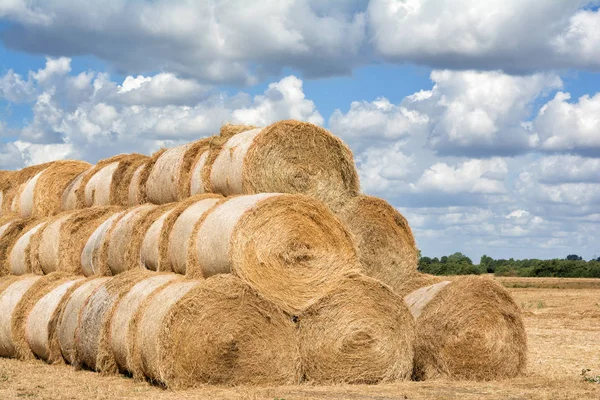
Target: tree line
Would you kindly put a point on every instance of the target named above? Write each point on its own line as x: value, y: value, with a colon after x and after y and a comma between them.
x: 572, y: 266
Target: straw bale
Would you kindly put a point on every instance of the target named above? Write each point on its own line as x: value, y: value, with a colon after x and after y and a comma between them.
x: 96, y: 191
x: 143, y: 349
x: 59, y: 245
x: 236, y: 338
x: 285, y: 157
x: 164, y: 179
x: 68, y: 321
x: 92, y: 335
x: 69, y: 197
x: 12, y: 231
x: 194, y: 159
x: 122, y: 177
x: 23, y: 309
x: 11, y: 190
x: 289, y: 247
x: 134, y: 195
x: 150, y: 249
x: 43, y: 318
x: 122, y: 248
x: 178, y: 228
x: 359, y: 332
x: 92, y: 250
x: 9, y: 299
x: 139, y: 194
x: 48, y: 188
x: 20, y: 254
x: 469, y: 329
x: 120, y: 325
x: 386, y: 245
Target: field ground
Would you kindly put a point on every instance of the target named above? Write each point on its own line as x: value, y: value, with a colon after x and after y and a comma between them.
x: 563, y: 325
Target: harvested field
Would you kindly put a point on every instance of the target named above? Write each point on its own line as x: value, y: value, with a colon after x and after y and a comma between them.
x: 563, y: 327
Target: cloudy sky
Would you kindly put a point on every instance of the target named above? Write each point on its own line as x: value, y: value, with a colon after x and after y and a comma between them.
x: 478, y: 120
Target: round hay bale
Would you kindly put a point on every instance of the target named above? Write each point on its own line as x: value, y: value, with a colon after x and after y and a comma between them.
x: 69, y: 318
x: 359, y: 332
x: 24, y: 200
x: 43, y: 318
x: 121, y: 322
x: 23, y: 309
x: 289, y: 247
x: 42, y: 196
x: 139, y: 193
x: 69, y: 197
x: 134, y: 195
x: 150, y: 250
x: 415, y: 280
x: 107, y: 182
x: 190, y: 175
x: 468, y: 329
x: 386, y: 245
x: 91, y: 253
x: 11, y: 232
x: 239, y: 338
x: 59, y: 244
x: 44, y: 245
x: 122, y: 248
x: 9, y: 299
x: 145, y: 325
x: 11, y: 189
x: 285, y: 157
x: 177, y: 231
x: 163, y: 183
x: 92, y: 335
x: 20, y: 254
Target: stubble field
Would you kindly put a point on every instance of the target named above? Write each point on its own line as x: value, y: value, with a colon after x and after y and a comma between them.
x: 563, y: 325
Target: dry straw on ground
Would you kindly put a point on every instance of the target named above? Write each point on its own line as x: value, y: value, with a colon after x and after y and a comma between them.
x: 359, y: 332
x: 289, y: 247
x: 143, y: 350
x: 121, y: 323
x: 58, y: 246
x: 285, y: 157
x: 468, y: 329
x: 385, y: 242
x: 122, y: 248
x: 22, y: 311
x: 41, y: 332
x: 42, y: 195
x: 10, y: 297
x: 92, y: 336
x: 68, y: 321
x: 238, y: 338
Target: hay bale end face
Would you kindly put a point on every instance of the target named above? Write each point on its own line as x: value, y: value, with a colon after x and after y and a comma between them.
x: 359, y: 332
x: 285, y: 157
x: 239, y: 338
x: 9, y: 299
x: 11, y: 232
x: 69, y: 318
x: 150, y: 248
x: 42, y: 321
x: 386, y: 245
x: 310, y: 250
x: 164, y: 179
x: 121, y: 322
x: 470, y: 329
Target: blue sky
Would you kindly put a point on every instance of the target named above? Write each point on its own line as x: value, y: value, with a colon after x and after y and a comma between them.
x: 479, y: 121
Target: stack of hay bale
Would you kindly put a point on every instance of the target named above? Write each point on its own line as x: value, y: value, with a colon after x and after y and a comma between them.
x: 255, y: 242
